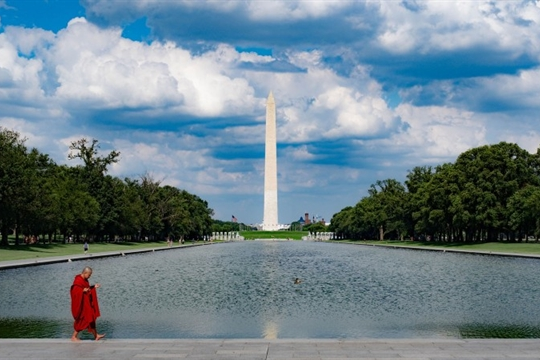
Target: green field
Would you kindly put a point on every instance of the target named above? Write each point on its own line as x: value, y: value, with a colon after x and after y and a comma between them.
x: 20, y: 252
x: 293, y: 235
x: 502, y: 247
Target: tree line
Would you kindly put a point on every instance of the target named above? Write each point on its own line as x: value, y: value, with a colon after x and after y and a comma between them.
x: 228, y: 226
x: 41, y: 198
x: 490, y: 193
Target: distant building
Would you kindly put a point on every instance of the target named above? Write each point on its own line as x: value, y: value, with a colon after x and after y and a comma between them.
x: 314, y: 220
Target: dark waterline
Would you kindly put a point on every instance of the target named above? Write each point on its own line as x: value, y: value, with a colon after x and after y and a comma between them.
x: 247, y: 290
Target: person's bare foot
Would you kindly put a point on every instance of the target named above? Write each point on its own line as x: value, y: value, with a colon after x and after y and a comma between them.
x: 99, y: 336
x: 75, y: 339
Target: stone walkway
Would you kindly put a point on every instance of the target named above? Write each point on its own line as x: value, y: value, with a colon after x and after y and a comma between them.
x: 13, y: 349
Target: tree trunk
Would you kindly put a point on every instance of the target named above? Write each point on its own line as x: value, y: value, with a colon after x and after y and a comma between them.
x: 17, y: 235
x: 4, y: 241
x: 381, y: 233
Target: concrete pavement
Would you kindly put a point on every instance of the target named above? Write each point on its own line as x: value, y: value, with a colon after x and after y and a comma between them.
x: 418, y: 349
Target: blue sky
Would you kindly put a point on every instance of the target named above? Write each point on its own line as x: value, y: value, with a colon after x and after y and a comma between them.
x: 365, y: 90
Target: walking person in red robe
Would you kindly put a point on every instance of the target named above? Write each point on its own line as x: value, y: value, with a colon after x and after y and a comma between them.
x: 84, y: 305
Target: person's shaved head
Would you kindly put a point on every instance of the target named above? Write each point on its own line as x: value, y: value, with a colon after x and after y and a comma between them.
x: 87, y: 272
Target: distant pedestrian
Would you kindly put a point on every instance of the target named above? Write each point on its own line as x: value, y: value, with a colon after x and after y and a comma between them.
x: 85, y: 246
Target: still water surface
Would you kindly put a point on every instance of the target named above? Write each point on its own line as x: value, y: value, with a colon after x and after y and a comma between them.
x: 247, y: 290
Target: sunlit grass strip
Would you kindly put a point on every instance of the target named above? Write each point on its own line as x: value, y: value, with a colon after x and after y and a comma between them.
x: 530, y: 248
x: 293, y: 235
x: 22, y: 252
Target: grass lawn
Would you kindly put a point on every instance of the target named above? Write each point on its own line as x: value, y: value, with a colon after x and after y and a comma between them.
x: 504, y: 247
x: 20, y: 252
x: 294, y: 235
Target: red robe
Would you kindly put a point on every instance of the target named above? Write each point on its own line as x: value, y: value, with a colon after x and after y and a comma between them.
x: 84, y: 305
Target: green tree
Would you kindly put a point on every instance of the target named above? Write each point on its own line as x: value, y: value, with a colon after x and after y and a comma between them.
x: 491, y: 174
x: 434, y: 215
x: 343, y: 224
x: 38, y: 197
x: 524, y: 211
x: 88, y: 152
x: 14, y: 179
x: 317, y: 227
x: 75, y: 210
x: 101, y: 187
x: 388, y: 208
x: 36, y: 213
x: 417, y: 179
x: 131, y: 216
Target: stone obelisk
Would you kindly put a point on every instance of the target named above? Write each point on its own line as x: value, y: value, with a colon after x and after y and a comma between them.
x: 270, y: 218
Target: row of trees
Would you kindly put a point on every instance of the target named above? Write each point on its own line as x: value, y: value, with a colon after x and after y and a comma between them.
x: 490, y: 193
x: 313, y: 227
x: 228, y: 226
x: 39, y: 197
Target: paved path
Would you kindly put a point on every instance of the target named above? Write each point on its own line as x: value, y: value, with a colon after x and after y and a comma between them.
x: 30, y: 349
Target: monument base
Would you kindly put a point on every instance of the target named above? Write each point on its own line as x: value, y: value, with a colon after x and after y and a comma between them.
x: 272, y: 227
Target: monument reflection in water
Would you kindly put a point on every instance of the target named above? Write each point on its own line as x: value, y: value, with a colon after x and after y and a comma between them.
x: 247, y: 290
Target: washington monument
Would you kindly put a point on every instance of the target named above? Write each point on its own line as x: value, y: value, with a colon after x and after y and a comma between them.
x: 270, y: 218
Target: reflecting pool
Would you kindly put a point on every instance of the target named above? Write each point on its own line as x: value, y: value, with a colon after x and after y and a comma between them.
x: 247, y: 290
